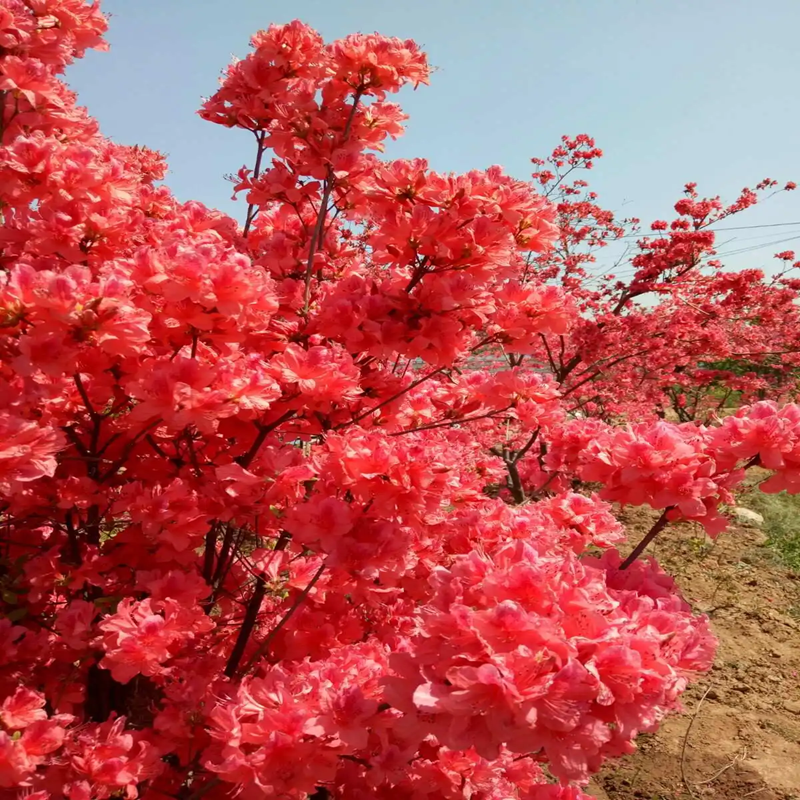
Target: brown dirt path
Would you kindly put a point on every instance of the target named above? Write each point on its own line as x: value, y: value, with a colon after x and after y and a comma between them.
x: 745, y: 738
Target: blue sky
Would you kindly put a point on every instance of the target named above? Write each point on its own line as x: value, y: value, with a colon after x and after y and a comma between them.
x: 672, y: 92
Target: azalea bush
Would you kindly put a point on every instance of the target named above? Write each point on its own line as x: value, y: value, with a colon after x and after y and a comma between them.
x: 263, y: 531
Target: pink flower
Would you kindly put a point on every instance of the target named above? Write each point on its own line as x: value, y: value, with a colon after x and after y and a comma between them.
x: 137, y: 639
x: 74, y: 623
x: 110, y: 759
x: 22, y: 709
x: 321, y: 374
x: 27, y: 451
x: 15, y: 766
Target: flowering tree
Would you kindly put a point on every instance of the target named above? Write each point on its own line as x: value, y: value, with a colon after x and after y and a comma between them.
x: 252, y: 536
x: 667, y: 327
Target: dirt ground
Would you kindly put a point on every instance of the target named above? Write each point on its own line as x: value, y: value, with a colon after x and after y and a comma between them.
x: 740, y: 734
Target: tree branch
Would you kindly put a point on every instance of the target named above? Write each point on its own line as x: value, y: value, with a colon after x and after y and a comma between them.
x: 253, y: 607
x: 394, y: 397
x: 264, y: 646
x: 251, y: 209
x: 263, y: 431
x: 447, y: 422
x: 660, y: 524
x: 317, y: 235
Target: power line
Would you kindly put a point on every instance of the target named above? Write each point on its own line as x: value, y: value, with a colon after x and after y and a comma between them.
x: 755, y: 247
x: 650, y: 234
x: 749, y: 227
x: 627, y: 271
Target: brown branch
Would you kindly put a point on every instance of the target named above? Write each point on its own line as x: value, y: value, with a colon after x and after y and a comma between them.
x: 253, y: 607
x: 111, y: 439
x: 412, y: 385
x: 538, y: 492
x: 263, y: 431
x: 614, y: 361
x: 349, y: 124
x: 521, y: 453
x: 74, y: 544
x: 581, y: 383
x: 192, y: 453
x: 549, y: 354
x: 317, y: 235
x: 210, y: 551
x: 157, y: 447
x: 85, y: 397
x: 79, y: 445
x: 420, y: 271
x: 515, y: 482
x: 205, y: 789
x: 564, y: 372
x: 736, y: 759
x: 660, y: 524
x: 219, y: 573
x: 264, y: 646
x: 251, y: 209
x: 115, y: 467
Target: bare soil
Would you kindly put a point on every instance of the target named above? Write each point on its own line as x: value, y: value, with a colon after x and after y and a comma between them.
x: 740, y: 734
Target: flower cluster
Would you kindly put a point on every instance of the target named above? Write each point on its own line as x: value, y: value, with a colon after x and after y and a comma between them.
x: 549, y: 655
x: 766, y: 434
x: 705, y: 336
x: 263, y: 529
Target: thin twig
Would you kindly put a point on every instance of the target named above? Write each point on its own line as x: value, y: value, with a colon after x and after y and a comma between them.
x: 127, y: 450
x: 264, y: 646
x: 315, y: 237
x: 740, y: 757
x: 251, y: 209
x: 549, y: 354
x: 408, y: 388
x: 319, y: 228
x: 685, y: 742
x: 412, y: 385
x: 447, y: 422
x: 85, y: 397
x: 543, y: 488
x: 205, y: 789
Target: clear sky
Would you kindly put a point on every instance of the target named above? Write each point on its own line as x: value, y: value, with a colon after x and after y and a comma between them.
x: 673, y: 92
